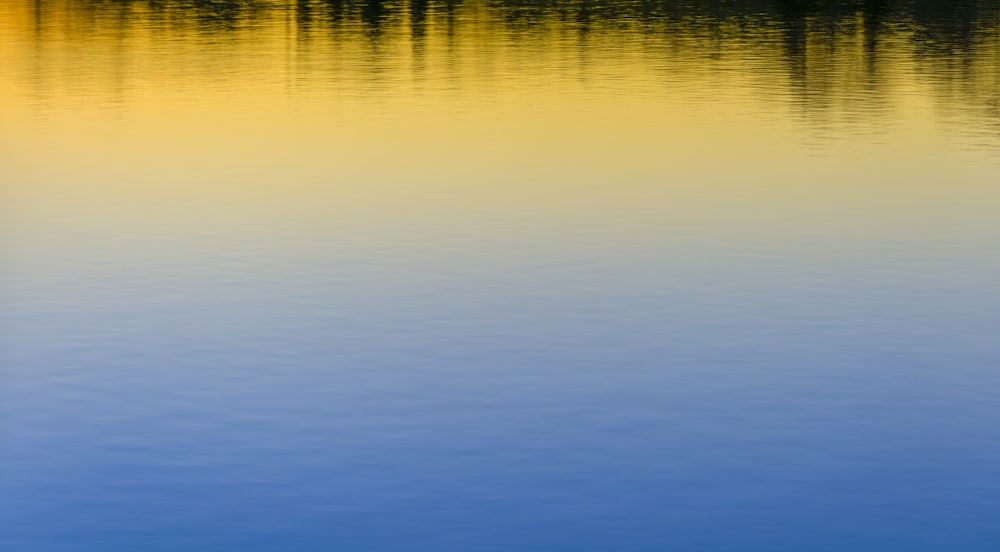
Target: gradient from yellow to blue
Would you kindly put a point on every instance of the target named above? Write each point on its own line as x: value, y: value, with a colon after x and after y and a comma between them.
x: 499, y: 275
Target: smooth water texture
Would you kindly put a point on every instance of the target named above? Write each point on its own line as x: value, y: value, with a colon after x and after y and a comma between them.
x: 496, y: 275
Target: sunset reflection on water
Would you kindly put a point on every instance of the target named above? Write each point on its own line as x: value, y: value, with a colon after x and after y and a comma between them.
x: 488, y: 275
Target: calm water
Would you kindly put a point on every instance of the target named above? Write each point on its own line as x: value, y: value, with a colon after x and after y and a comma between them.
x: 320, y: 275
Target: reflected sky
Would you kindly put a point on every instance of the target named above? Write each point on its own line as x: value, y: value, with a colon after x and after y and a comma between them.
x: 485, y: 275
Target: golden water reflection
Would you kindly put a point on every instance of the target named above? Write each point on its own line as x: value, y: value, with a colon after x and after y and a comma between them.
x: 752, y: 111
x: 840, y: 67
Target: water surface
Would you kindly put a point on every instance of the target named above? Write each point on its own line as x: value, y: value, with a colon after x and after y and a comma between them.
x: 499, y: 275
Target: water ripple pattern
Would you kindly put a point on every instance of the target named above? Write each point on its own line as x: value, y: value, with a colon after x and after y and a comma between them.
x: 499, y: 275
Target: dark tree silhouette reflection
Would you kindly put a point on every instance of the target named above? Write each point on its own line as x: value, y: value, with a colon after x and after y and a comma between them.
x: 956, y: 41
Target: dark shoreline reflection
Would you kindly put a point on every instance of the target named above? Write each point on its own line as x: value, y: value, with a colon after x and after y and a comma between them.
x: 834, y: 56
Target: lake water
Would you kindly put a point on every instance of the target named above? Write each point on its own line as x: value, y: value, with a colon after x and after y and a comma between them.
x: 445, y: 275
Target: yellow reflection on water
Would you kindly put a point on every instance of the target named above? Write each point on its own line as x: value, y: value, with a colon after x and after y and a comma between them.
x: 455, y: 109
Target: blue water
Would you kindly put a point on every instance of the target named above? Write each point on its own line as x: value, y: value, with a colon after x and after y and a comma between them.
x: 622, y: 353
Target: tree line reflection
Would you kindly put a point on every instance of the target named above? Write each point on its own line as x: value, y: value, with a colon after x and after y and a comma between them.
x: 825, y: 50
x: 952, y: 20
x: 947, y: 23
